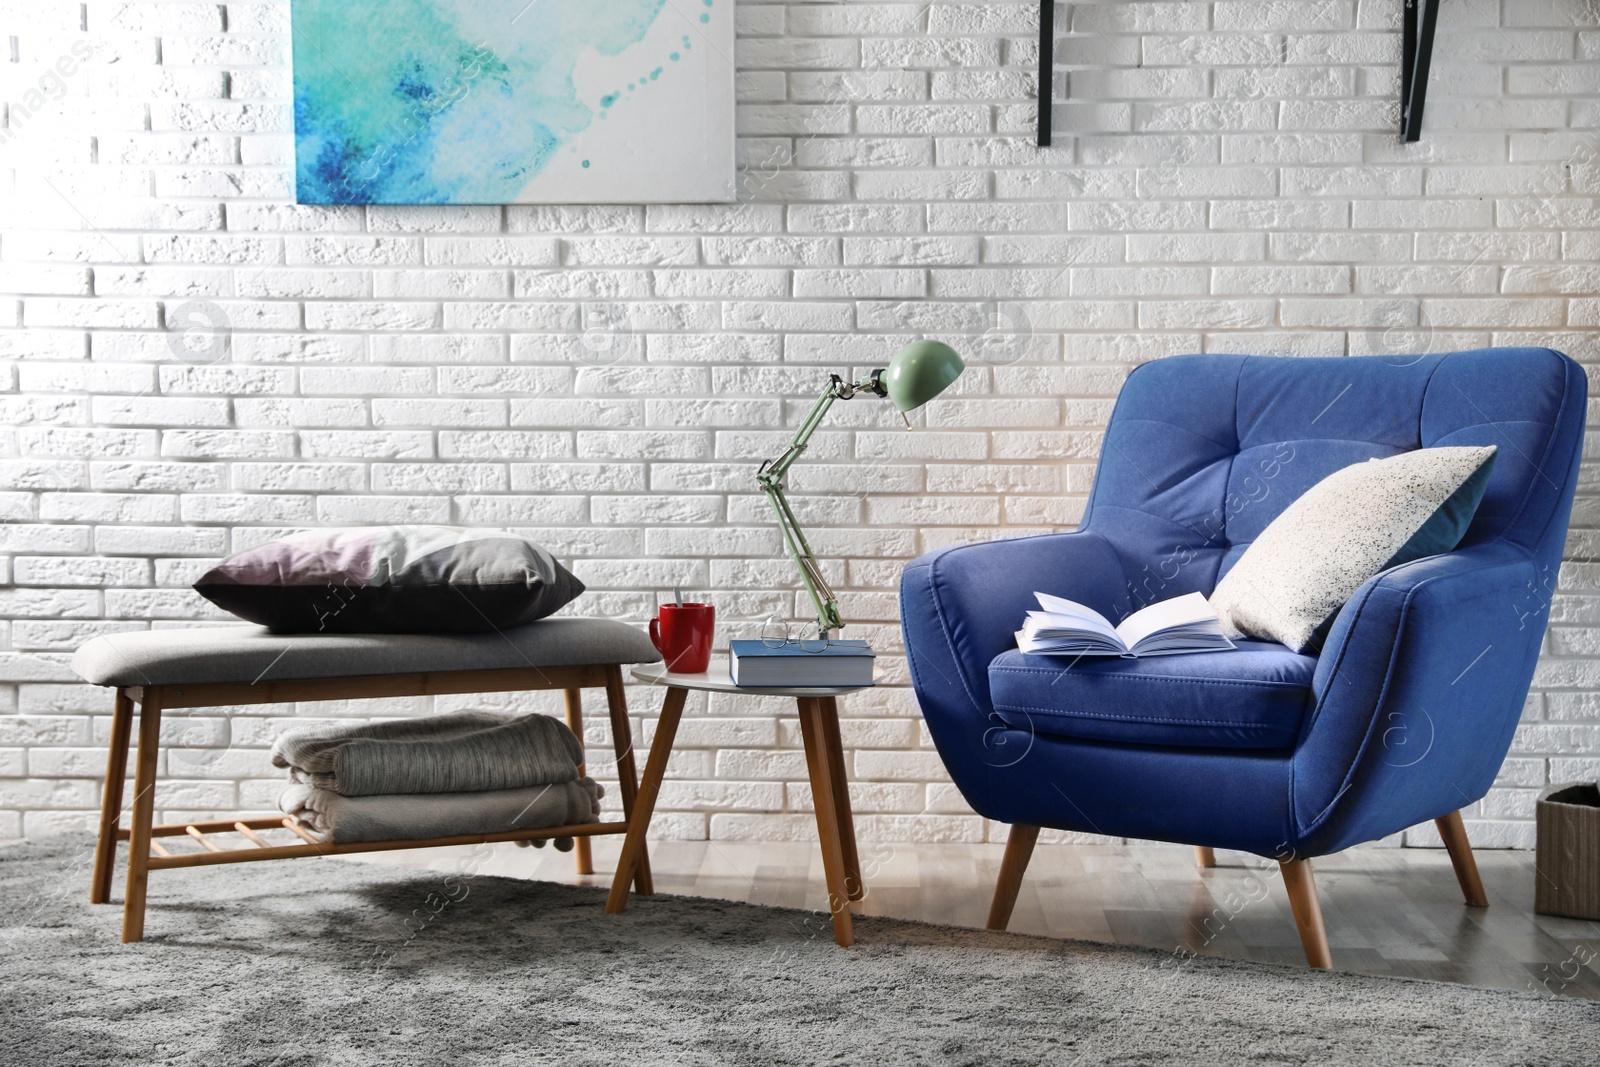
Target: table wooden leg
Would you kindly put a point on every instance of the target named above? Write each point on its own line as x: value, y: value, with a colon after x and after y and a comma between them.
x: 581, y: 850
x: 813, y: 733
x: 105, y: 849
x: 144, y: 810
x: 841, y: 798
x: 627, y: 774
x: 644, y: 804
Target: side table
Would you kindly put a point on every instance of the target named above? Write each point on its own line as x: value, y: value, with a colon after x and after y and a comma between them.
x: 819, y: 729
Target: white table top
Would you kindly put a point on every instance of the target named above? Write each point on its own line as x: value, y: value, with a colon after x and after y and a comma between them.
x: 716, y: 679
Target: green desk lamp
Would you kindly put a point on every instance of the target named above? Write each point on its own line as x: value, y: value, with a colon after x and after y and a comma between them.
x: 918, y: 372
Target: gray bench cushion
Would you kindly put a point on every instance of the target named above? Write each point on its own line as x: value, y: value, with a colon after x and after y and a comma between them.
x: 252, y: 653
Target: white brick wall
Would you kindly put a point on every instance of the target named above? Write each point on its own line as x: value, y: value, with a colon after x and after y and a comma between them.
x: 1225, y: 178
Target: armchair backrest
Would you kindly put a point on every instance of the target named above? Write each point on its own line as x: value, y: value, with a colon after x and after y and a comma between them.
x: 1202, y: 452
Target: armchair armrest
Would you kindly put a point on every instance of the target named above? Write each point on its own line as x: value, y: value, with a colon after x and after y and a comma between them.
x: 960, y: 608
x: 1418, y: 692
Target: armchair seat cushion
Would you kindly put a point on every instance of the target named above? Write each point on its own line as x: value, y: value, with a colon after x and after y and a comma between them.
x: 1253, y: 697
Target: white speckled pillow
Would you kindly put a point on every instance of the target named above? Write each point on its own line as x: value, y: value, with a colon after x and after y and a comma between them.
x: 1356, y: 522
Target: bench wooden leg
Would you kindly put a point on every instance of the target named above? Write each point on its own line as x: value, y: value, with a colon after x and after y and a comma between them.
x: 581, y: 850
x: 144, y: 810
x: 644, y: 805
x: 841, y: 799
x: 105, y: 849
x: 627, y: 774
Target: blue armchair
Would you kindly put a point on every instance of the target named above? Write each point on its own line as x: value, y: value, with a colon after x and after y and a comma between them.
x: 1404, y: 715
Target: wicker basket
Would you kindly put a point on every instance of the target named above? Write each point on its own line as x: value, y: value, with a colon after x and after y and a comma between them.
x: 1568, y: 858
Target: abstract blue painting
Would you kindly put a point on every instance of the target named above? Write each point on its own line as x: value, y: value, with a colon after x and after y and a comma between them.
x: 513, y: 101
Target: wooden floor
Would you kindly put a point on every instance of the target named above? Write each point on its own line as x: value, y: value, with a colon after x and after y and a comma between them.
x: 1388, y: 911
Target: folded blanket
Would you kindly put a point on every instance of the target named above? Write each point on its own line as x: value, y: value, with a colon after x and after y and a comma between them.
x: 464, y: 752
x: 339, y: 819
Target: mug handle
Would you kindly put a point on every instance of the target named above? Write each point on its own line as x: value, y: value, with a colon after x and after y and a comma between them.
x: 655, y: 633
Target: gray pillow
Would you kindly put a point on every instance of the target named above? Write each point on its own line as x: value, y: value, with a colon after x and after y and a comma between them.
x: 392, y: 579
x: 1356, y: 522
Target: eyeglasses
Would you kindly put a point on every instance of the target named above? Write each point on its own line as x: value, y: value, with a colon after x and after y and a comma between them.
x: 776, y: 633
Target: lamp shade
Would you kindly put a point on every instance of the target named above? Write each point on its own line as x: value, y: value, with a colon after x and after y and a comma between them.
x: 921, y: 371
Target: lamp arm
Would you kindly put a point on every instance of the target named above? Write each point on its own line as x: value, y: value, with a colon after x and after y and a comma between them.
x: 770, y: 476
x: 794, y: 539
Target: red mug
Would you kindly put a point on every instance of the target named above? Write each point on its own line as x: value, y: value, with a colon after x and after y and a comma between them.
x: 682, y: 634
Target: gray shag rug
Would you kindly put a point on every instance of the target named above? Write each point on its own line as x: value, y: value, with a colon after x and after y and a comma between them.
x: 304, y: 962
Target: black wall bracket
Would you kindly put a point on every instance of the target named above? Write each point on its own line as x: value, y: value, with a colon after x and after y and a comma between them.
x: 1415, y: 57
x: 1047, y: 65
x: 1421, y: 17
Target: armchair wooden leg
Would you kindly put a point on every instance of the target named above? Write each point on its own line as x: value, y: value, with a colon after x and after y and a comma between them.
x: 580, y: 851
x: 1019, y: 849
x: 1460, y: 849
x: 1307, y: 911
x: 1205, y: 857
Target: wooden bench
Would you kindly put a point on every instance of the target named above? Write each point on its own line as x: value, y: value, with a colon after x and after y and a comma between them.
x: 165, y: 670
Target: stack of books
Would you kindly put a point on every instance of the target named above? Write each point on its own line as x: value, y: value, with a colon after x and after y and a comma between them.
x: 1066, y: 628
x: 843, y: 663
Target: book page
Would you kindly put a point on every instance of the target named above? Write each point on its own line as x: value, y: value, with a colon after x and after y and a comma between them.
x: 1179, y: 611
x: 1075, y: 613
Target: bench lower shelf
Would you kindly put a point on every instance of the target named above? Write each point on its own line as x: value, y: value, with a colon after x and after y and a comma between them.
x: 161, y: 859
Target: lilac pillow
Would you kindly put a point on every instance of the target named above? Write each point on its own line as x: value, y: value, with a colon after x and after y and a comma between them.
x: 392, y: 579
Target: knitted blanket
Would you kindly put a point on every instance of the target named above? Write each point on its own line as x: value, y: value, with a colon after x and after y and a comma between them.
x: 463, y: 752
x: 339, y: 819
